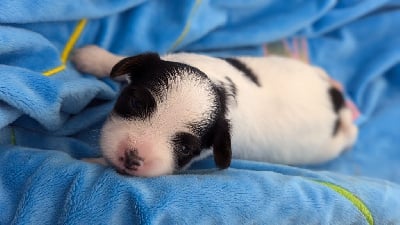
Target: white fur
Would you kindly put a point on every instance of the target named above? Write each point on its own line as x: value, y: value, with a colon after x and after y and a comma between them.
x: 289, y: 119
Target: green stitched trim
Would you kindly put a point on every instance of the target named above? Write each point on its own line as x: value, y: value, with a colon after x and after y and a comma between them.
x: 357, y: 202
x: 13, y: 138
x: 187, y: 25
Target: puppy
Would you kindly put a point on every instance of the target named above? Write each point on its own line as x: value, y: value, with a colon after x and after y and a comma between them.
x: 183, y: 107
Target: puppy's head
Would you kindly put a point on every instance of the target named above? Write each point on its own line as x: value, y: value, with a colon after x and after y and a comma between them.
x: 168, y: 115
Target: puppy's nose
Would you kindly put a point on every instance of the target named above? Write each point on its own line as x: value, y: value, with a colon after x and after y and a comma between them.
x: 132, y: 160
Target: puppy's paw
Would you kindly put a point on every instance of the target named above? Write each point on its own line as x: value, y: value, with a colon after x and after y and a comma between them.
x: 91, y: 59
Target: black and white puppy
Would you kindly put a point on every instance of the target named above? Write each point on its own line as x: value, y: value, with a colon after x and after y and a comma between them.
x: 178, y: 107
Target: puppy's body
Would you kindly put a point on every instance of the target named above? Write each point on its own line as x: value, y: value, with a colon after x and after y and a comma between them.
x: 284, y: 114
x: 276, y: 109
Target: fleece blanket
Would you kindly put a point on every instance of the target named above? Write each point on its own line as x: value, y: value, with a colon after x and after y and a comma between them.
x: 50, y: 114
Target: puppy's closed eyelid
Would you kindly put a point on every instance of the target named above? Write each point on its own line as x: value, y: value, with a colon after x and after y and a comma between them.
x: 189, y: 141
x: 135, y: 103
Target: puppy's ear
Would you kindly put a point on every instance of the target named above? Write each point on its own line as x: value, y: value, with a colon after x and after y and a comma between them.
x: 222, y: 144
x: 135, y: 64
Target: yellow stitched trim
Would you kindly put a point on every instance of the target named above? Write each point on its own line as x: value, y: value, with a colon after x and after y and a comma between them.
x: 54, y: 70
x: 358, y: 203
x: 187, y: 25
x: 72, y: 40
x: 68, y: 48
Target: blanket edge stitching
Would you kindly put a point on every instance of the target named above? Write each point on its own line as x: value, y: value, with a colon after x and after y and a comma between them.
x: 68, y: 48
x: 356, y: 201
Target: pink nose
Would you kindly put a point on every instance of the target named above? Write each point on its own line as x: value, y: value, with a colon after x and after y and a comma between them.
x: 131, y: 160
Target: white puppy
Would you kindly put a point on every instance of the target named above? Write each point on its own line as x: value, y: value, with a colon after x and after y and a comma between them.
x: 176, y: 108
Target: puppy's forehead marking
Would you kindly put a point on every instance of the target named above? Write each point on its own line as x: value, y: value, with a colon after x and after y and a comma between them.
x: 185, y: 103
x: 189, y: 99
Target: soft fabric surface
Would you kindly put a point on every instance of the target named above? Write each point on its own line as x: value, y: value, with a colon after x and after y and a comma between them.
x: 50, y: 114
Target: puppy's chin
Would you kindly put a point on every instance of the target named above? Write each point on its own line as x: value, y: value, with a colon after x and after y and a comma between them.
x: 153, y: 168
x: 150, y: 165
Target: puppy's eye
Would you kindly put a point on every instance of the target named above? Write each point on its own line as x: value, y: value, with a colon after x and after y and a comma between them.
x: 186, y: 147
x: 137, y: 98
x: 136, y: 104
x: 185, y: 150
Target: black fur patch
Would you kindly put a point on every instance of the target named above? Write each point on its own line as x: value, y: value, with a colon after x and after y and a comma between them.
x: 232, y: 87
x: 218, y: 134
x: 243, y: 68
x: 150, y: 77
x: 150, y: 71
x: 337, y: 99
x: 338, y: 103
x: 222, y: 144
x: 208, y: 132
x: 186, y: 146
x: 134, y: 64
x: 135, y: 102
x: 336, y: 127
x: 221, y: 101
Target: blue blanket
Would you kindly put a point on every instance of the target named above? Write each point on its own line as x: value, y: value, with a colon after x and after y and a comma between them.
x: 50, y: 114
